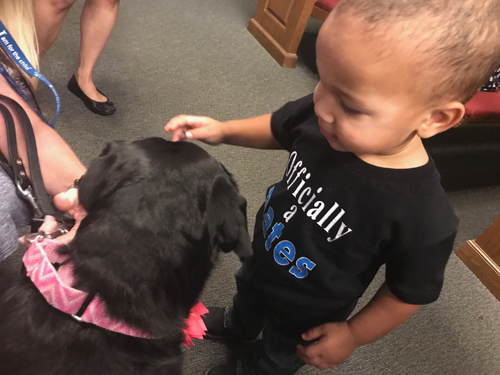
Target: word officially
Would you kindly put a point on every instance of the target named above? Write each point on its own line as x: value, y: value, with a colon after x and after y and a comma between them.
x: 310, y: 203
x: 308, y: 199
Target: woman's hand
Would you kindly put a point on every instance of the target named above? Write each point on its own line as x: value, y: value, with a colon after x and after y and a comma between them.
x: 204, y: 129
x: 67, y: 201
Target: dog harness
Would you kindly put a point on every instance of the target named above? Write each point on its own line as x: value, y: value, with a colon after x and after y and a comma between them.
x: 55, y: 287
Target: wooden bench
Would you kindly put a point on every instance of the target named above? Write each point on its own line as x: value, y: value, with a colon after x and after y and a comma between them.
x: 482, y: 256
x: 279, y: 25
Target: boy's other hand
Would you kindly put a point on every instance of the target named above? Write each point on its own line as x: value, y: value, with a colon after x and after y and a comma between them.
x: 335, y: 344
x: 202, y: 128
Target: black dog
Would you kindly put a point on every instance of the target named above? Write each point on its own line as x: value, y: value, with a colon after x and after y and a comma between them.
x: 158, y: 213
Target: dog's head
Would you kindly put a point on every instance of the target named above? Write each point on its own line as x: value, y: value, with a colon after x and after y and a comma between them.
x: 158, y: 213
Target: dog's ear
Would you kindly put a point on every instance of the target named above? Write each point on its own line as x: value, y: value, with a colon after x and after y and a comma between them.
x: 111, y: 170
x: 226, y: 218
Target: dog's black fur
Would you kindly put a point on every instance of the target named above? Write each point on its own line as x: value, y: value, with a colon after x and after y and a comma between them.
x: 158, y: 213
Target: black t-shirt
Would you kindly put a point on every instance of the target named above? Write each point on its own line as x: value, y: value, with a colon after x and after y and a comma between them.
x: 327, y: 227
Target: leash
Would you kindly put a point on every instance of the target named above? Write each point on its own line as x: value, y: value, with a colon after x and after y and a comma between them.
x: 32, y: 189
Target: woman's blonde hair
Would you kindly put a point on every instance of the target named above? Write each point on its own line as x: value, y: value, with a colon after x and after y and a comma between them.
x: 18, y: 17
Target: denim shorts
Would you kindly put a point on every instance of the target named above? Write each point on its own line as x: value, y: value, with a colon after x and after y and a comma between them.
x: 13, y: 215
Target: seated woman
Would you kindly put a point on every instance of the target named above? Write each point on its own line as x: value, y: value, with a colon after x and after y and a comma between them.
x: 59, y: 165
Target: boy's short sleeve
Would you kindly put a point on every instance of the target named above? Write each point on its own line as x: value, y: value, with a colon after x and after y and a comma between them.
x: 415, y: 276
x: 292, y: 114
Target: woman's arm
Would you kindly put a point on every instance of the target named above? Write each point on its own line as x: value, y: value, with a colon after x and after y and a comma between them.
x: 59, y: 164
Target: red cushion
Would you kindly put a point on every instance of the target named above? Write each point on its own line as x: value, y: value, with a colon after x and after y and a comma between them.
x: 483, y: 106
x: 326, y: 4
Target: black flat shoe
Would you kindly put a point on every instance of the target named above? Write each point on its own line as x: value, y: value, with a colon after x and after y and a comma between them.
x: 101, y: 108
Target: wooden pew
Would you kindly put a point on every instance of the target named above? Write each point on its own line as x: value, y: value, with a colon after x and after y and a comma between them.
x: 278, y: 25
x: 482, y: 256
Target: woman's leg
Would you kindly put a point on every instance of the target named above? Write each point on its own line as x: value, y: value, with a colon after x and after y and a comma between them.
x: 49, y: 18
x: 97, y: 20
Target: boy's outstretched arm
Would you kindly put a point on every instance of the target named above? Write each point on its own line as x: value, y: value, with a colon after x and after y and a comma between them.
x: 254, y: 132
x: 337, y: 341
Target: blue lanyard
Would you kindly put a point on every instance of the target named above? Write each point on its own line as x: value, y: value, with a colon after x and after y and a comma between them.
x: 10, y: 46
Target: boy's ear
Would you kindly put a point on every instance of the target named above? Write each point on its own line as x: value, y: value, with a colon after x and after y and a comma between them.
x: 441, y: 119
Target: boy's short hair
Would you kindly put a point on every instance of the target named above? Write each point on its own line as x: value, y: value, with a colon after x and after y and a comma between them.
x: 457, y: 41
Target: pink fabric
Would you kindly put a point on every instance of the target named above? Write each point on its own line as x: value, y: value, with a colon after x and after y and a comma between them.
x: 483, y: 106
x: 327, y: 5
x: 195, y: 326
x: 55, y: 288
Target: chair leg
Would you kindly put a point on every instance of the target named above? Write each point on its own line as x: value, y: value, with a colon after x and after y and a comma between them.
x: 278, y: 25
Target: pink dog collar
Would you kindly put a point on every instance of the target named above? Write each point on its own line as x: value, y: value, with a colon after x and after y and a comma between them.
x: 55, y: 288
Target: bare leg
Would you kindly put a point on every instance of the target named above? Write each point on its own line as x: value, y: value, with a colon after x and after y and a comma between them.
x: 97, y: 21
x: 49, y: 18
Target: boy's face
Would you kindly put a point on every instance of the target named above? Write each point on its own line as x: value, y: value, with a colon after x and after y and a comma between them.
x: 364, y: 100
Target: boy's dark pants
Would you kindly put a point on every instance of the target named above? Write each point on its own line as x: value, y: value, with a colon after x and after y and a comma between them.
x: 274, y: 354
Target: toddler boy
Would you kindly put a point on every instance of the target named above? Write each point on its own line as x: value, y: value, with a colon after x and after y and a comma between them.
x: 359, y: 189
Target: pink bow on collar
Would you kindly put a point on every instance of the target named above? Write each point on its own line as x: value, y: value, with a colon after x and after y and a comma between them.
x: 55, y: 288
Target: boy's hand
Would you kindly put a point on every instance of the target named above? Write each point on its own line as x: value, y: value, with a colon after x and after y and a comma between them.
x: 204, y: 129
x: 335, y: 344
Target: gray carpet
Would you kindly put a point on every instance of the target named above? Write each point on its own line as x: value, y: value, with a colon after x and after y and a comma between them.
x: 187, y: 56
